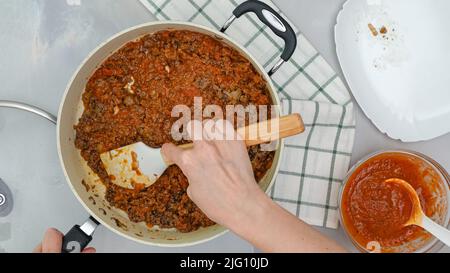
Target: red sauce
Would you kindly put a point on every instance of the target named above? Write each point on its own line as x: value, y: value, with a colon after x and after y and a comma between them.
x: 376, y: 211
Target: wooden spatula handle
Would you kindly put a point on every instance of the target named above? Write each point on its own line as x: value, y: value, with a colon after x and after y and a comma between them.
x: 268, y: 131
x: 290, y: 125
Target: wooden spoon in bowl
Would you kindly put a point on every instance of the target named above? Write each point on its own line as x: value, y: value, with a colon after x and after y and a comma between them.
x: 139, y: 165
x: 418, y: 217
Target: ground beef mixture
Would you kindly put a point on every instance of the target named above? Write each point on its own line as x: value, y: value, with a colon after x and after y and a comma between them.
x: 130, y: 98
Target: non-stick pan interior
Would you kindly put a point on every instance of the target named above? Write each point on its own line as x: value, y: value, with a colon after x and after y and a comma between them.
x: 88, y: 187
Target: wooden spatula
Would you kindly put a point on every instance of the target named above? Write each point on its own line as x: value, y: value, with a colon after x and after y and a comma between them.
x: 138, y: 165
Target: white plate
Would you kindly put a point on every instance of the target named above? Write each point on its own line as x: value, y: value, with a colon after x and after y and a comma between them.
x: 401, y: 79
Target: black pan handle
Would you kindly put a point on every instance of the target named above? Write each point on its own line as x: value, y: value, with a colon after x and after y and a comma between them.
x: 79, y: 237
x: 274, y: 21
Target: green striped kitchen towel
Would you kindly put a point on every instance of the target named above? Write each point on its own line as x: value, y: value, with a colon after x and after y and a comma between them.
x: 315, y: 162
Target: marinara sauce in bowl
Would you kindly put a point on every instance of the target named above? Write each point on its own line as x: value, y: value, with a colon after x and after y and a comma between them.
x: 373, y: 213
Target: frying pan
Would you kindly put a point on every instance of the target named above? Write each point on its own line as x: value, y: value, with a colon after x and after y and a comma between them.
x: 88, y: 188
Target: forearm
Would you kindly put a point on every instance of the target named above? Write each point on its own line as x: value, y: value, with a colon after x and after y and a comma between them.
x: 273, y: 229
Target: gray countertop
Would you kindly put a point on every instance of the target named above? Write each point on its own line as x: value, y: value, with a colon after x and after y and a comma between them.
x: 42, y: 43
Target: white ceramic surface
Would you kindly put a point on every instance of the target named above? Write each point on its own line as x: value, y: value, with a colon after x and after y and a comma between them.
x: 400, y: 79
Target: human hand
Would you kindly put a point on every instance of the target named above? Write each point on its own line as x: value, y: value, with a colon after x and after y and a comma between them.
x: 52, y: 243
x: 221, y: 179
x: 222, y: 185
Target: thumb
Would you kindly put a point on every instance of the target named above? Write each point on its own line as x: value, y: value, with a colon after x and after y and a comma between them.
x: 171, y: 154
x: 89, y: 250
x: 52, y: 242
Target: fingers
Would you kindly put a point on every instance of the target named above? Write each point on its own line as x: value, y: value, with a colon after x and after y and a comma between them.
x: 209, y: 135
x: 225, y: 129
x: 189, y: 192
x: 211, y: 130
x: 52, y: 242
x: 171, y: 153
x: 208, y: 138
x: 89, y: 250
x: 220, y: 130
x: 38, y: 248
x: 195, y: 131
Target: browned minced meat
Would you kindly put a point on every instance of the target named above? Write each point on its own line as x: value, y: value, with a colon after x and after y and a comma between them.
x: 130, y: 99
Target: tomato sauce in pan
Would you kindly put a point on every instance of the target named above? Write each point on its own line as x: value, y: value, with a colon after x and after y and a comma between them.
x: 375, y: 211
x: 130, y: 97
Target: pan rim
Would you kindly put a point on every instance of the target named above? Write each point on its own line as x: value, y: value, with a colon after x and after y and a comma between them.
x: 169, y: 23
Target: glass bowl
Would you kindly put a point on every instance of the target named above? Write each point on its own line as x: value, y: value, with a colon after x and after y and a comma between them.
x: 430, y: 244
